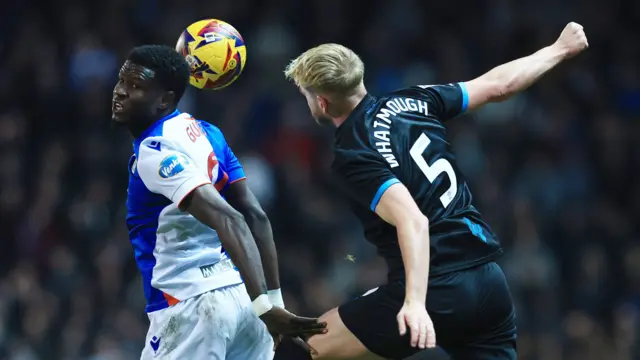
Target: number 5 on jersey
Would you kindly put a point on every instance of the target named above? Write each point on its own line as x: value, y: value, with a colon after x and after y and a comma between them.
x: 438, y: 167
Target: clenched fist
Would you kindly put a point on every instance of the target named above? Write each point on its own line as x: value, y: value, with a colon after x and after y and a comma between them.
x: 572, y: 40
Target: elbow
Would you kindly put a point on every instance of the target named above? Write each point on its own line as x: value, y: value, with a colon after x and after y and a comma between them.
x: 232, y: 229
x: 495, y: 88
x: 488, y: 90
x: 236, y: 219
x: 227, y: 221
x: 419, y: 224
x: 500, y: 91
x: 255, y: 215
x: 424, y: 224
x: 259, y: 215
x: 503, y: 91
x: 414, y: 230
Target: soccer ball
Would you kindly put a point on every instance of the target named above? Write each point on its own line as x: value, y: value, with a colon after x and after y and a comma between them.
x: 215, y: 52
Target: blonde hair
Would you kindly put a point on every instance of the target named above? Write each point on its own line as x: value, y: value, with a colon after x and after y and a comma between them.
x: 327, y: 69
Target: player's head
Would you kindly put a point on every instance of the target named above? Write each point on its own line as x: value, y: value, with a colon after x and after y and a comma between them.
x: 150, y: 84
x: 327, y: 75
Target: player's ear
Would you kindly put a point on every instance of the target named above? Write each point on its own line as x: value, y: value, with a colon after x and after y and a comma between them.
x: 324, y: 104
x: 167, y: 100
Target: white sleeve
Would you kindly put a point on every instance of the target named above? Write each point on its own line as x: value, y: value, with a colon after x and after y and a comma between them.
x: 168, y: 171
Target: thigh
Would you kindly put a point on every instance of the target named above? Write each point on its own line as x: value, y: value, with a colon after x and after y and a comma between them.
x: 183, y: 332
x: 481, y: 325
x: 497, y: 339
x: 339, y: 343
x: 372, y: 320
x: 252, y: 340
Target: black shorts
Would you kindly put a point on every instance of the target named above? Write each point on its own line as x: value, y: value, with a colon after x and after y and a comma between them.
x: 472, y: 312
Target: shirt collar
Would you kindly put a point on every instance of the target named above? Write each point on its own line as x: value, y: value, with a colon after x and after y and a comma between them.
x: 363, y: 106
x: 145, y: 134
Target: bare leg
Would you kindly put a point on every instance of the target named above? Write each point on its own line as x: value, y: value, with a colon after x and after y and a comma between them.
x: 339, y: 343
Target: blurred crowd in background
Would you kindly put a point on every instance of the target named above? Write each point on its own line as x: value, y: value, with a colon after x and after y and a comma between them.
x: 553, y: 170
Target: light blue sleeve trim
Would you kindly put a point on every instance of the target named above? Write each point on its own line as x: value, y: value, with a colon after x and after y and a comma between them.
x: 465, y: 96
x: 381, y: 190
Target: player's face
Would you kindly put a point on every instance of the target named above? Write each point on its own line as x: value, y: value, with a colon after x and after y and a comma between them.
x: 136, y: 95
x: 318, y: 107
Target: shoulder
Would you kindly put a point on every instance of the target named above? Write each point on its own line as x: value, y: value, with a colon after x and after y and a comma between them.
x: 211, y: 130
x: 156, y: 146
x: 426, y: 89
x: 430, y: 93
x: 162, y: 156
x: 181, y: 129
x: 416, y: 91
x: 409, y: 99
x: 159, y: 143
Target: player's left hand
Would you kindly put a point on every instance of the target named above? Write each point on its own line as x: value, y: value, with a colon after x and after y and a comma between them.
x: 414, y: 316
x: 572, y: 40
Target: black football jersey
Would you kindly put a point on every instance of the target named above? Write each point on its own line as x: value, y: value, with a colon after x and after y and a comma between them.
x: 400, y: 137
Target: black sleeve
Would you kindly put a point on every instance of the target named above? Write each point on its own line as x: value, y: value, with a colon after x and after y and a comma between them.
x: 446, y: 101
x: 365, y: 176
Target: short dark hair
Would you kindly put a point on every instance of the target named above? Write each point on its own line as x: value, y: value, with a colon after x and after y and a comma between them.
x: 170, y: 67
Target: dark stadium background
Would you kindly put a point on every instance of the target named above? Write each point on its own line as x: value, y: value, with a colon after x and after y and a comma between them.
x: 554, y: 170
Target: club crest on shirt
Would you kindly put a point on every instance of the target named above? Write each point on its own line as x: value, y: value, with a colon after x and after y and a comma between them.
x: 172, y: 165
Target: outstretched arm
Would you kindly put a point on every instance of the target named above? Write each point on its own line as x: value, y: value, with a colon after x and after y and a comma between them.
x: 242, y: 199
x: 506, y: 80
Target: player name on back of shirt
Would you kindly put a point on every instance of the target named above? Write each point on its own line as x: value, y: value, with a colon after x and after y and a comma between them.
x: 382, y: 128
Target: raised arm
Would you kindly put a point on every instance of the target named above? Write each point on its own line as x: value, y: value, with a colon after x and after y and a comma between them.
x: 506, y: 80
x: 242, y: 199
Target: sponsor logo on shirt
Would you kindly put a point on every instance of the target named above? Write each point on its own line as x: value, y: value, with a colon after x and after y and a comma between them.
x: 221, y: 266
x: 172, y: 165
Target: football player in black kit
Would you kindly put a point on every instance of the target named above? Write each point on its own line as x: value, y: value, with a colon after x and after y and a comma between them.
x: 393, y: 159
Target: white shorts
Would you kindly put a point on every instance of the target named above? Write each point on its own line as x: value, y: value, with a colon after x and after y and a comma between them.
x: 217, y: 325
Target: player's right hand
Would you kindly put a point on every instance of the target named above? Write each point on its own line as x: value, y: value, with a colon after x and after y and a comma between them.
x: 414, y: 316
x: 282, y: 322
x: 572, y: 40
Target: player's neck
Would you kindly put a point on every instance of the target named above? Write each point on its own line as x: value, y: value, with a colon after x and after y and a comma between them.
x: 350, y: 103
x: 136, y: 128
